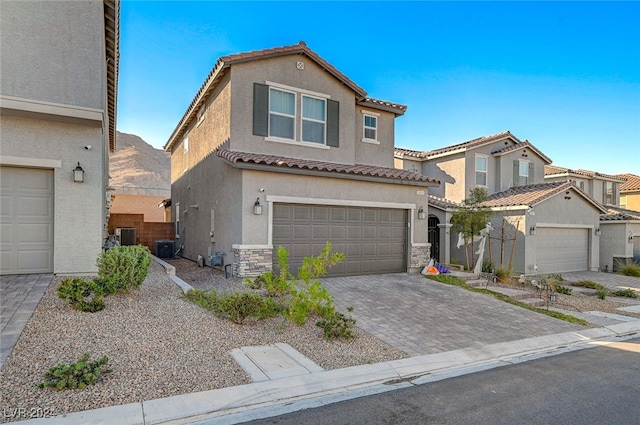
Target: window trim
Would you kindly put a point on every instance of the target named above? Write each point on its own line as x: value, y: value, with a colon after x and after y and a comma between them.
x: 604, y: 193
x: 294, y: 116
x: 486, y: 171
x: 303, y: 119
x: 375, y: 116
x: 520, y: 175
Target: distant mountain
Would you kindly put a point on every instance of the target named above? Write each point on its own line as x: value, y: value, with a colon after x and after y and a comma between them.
x: 137, y: 167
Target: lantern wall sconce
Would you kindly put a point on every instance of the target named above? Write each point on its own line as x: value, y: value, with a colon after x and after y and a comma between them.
x: 257, y: 208
x: 421, y: 214
x: 532, y: 230
x: 630, y: 237
x: 78, y: 174
x: 597, y: 231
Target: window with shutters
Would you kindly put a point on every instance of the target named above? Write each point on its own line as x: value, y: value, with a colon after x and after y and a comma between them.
x: 523, y: 173
x: 607, y: 195
x: 292, y: 115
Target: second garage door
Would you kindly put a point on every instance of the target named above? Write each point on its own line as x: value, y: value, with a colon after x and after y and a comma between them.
x: 562, y: 250
x: 373, y: 240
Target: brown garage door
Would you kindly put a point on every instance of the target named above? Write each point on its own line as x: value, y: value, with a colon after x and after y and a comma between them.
x: 26, y: 226
x: 373, y: 240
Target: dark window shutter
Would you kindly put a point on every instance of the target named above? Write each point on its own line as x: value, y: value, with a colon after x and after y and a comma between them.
x: 333, y: 123
x: 260, y: 109
x: 531, y: 179
x: 516, y: 172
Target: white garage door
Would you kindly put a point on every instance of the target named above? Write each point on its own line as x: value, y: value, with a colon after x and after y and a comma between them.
x: 373, y: 240
x: 26, y: 220
x: 562, y: 250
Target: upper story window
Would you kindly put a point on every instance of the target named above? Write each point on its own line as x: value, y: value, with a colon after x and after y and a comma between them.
x: 607, y: 193
x: 293, y: 115
x: 313, y: 119
x: 370, y: 127
x: 523, y: 173
x: 481, y: 170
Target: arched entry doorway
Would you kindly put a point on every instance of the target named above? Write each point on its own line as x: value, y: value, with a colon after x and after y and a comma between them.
x: 433, y: 237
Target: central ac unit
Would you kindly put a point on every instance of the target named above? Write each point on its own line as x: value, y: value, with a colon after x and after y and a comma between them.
x: 126, y: 235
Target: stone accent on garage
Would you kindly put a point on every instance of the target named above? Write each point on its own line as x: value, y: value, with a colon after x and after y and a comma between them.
x: 419, y: 257
x: 251, y: 261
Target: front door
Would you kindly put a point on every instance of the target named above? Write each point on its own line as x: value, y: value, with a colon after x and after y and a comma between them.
x: 434, y: 237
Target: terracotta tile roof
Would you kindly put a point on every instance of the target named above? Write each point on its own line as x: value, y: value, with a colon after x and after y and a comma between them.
x: 553, y: 170
x: 619, y: 214
x: 631, y: 185
x: 534, y: 194
x: 224, y: 62
x: 235, y: 157
x: 473, y: 143
x: 523, y: 145
x: 442, y: 203
x: 402, y: 152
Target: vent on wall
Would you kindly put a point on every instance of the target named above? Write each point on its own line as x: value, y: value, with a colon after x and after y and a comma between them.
x: 127, y: 235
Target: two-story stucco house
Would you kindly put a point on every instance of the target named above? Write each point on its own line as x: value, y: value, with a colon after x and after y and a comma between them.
x: 604, y: 188
x: 58, y: 85
x: 630, y: 192
x: 538, y: 227
x: 279, y: 148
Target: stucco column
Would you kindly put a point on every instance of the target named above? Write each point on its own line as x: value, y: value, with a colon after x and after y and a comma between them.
x: 445, y: 236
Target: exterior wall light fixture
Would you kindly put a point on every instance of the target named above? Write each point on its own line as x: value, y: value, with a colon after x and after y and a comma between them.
x: 421, y: 214
x: 532, y: 230
x: 630, y: 237
x: 78, y: 174
x: 257, y: 208
x: 597, y: 232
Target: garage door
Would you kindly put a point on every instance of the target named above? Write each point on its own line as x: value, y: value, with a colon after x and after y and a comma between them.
x: 562, y: 250
x: 26, y: 220
x: 372, y: 240
x: 636, y: 248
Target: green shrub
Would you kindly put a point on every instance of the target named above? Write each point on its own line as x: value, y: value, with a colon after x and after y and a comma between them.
x: 630, y: 269
x: 626, y: 293
x: 123, y: 268
x: 235, y: 307
x: 487, y: 266
x: 503, y: 273
x: 81, y: 294
x: 337, y: 326
x: 76, y: 375
x: 602, y: 293
x: 556, y: 277
x: 563, y: 290
x: 588, y: 284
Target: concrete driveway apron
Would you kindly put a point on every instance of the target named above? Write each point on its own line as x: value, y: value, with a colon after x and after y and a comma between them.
x: 421, y: 316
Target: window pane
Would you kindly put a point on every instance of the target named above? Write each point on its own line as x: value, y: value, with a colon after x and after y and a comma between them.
x: 280, y: 126
x: 481, y: 163
x: 282, y: 102
x: 312, y: 132
x: 481, y: 178
x: 369, y: 134
x: 524, y: 168
x: 313, y: 108
x: 370, y: 121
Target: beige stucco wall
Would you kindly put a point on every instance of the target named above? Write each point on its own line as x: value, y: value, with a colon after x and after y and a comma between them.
x: 614, y: 241
x: 450, y: 170
x: 380, y: 154
x: 78, y: 207
x: 122, y: 203
x: 53, y: 51
x: 283, y: 70
x: 632, y: 201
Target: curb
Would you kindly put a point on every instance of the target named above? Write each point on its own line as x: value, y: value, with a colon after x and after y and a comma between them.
x: 264, y: 399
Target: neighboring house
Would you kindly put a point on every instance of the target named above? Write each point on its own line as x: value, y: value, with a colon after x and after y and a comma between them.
x: 147, y: 205
x: 601, y: 187
x: 279, y: 148
x: 538, y: 228
x: 630, y: 192
x: 58, y: 89
x: 620, y: 240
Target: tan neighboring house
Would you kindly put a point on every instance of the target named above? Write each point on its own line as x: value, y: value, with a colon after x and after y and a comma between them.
x: 58, y: 87
x: 630, y: 192
x: 279, y: 148
x: 603, y: 188
x: 537, y: 227
x: 147, y: 205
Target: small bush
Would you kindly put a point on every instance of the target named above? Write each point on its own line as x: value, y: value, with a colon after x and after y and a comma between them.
x: 123, y: 268
x: 337, y: 326
x: 588, y: 284
x: 602, y: 293
x: 235, y: 307
x: 487, y: 266
x: 626, y: 293
x: 81, y: 294
x: 556, y: 277
x: 631, y: 269
x: 563, y: 290
x: 503, y: 273
x: 76, y: 375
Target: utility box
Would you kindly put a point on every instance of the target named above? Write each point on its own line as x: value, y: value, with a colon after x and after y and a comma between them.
x: 126, y: 235
x: 165, y: 249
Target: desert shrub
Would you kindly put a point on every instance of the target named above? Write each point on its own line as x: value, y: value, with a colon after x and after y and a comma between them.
x: 588, y: 284
x: 503, y: 273
x: 563, y: 289
x: 235, y: 307
x: 487, y: 266
x: 337, y: 326
x: 556, y: 277
x: 630, y: 293
x: 602, y: 293
x: 123, y: 268
x: 630, y: 269
x: 76, y: 375
x: 81, y: 294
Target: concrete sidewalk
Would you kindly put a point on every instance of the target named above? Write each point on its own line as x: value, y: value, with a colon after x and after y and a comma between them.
x: 274, y: 397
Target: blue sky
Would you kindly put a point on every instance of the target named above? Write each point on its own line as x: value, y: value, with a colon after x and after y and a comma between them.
x: 565, y: 76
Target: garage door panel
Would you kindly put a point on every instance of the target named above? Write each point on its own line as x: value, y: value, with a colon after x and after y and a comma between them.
x: 562, y: 250
x: 26, y: 220
x: 372, y: 240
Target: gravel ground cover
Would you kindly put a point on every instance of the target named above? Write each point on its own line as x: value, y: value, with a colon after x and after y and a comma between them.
x: 158, y: 345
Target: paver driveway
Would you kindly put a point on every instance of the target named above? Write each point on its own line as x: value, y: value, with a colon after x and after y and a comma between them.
x: 610, y: 280
x: 421, y: 316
